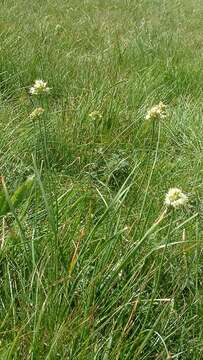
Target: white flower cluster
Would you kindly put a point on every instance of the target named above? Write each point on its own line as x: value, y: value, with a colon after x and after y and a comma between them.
x: 95, y: 115
x: 39, y: 87
x: 36, y: 113
x: 157, y: 112
x: 175, y: 198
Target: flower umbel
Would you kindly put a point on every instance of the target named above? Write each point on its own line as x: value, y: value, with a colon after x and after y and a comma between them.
x: 36, y: 113
x: 157, y: 112
x: 175, y: 198
x: 95, y: 115
x: 39, y: 87
x: 58, y: 29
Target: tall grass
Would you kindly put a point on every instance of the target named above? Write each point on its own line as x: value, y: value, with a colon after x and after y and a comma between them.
x: 91, y: 265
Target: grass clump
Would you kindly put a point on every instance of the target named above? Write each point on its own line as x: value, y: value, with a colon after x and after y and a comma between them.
x: 101, y: 250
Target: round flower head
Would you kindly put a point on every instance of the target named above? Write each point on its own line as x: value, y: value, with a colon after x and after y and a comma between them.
x: 157, y: 112
x: 39, y: 87
x: 58, y: 29
x: 95, y: 115
x: 36, y: 113
x: 175, y: 198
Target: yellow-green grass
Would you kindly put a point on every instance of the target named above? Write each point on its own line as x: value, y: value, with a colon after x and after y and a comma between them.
x: 89, y: 269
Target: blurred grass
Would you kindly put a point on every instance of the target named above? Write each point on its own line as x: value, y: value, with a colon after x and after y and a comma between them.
x: 81, y: 275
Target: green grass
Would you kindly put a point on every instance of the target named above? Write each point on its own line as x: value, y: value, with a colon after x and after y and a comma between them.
x: 86, y: 271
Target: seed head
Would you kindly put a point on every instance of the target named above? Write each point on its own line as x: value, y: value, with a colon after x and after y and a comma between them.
x: 36, y: 113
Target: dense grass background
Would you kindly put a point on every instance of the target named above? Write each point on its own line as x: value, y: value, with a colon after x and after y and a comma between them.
x: 82, y: 276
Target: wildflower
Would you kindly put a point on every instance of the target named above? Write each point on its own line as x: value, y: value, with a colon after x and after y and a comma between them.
x: 39, y: 87
x: 175, y: 198
x: 120, y: 274
x: 58, y: 29
x: 157, y: 112
x: 95, y: 115
x: 36, y: 113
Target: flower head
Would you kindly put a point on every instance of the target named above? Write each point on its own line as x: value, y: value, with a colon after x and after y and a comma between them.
x: 95, y: 115
x: 175, y: 198
x: 157, y: 112
x: 39, y: 87
x: 58, y: 29
x: 36, y: 113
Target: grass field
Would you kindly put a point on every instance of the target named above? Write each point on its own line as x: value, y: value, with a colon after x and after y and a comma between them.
x: 93, y: 264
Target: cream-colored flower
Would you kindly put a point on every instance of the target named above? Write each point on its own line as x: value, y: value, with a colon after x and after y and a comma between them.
x: 95, y: 115
x: 58, y: 29
x: 157, y: 112
x: 175, y: 198
x: 36, y: 113
x: 39, y: 87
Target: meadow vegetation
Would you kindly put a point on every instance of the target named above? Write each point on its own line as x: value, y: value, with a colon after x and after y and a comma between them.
x: 94, y: 265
